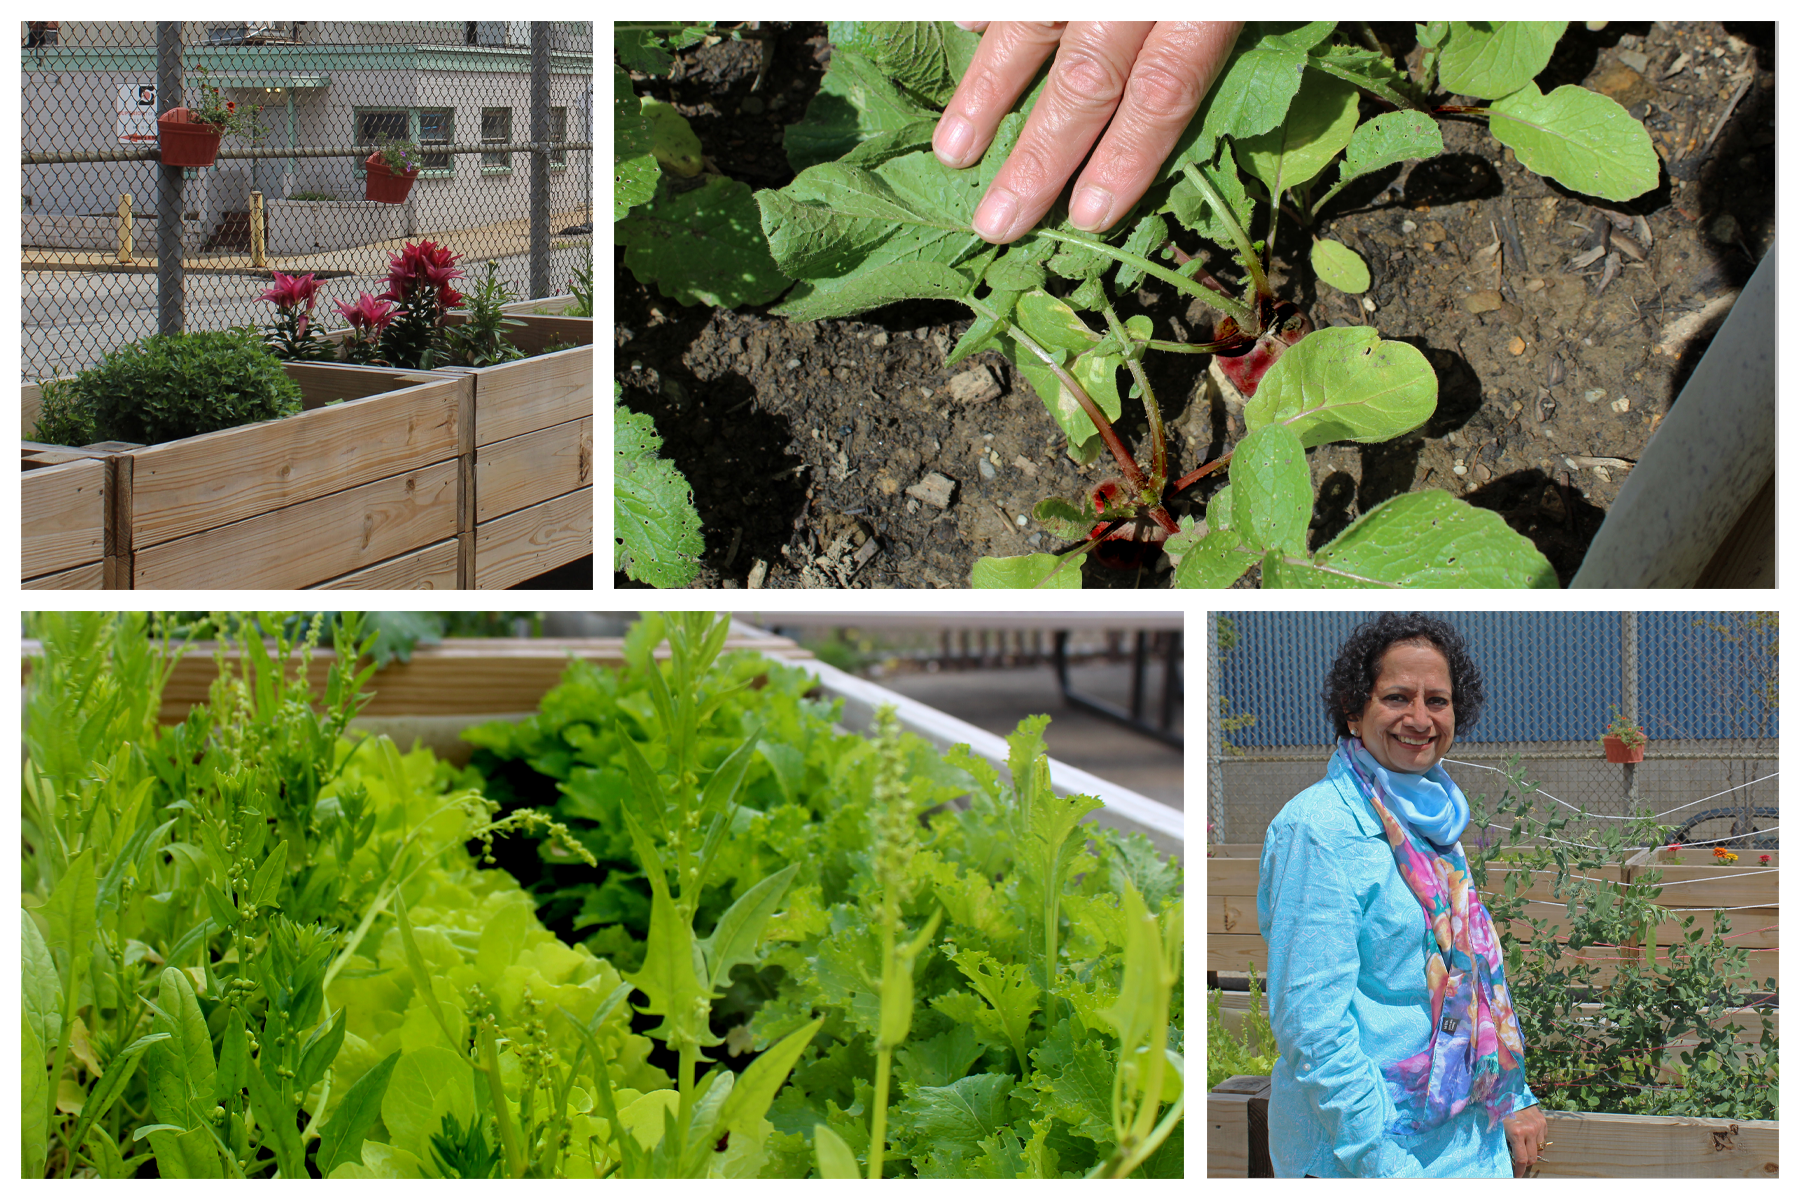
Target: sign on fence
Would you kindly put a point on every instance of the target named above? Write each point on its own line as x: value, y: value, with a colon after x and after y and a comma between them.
x: 136, y: 107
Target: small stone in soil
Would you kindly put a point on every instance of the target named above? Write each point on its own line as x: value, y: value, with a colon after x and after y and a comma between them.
x: 935, y: 490
x: 879, y: 340
x: 1622, y: 404
x: 1483, y: 301
x: 986, y: 468
x: 974, y: 386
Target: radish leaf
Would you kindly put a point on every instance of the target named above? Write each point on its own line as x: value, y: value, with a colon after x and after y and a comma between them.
x: 1581, y: 139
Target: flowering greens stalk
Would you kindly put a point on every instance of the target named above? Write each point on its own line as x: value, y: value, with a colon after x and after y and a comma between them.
x: 896, y: 837
x: 1148, y: 1074
x: 672, y: 810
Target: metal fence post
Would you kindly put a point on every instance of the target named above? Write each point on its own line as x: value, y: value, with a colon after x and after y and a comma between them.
x: 540, y: 158
x: 1215, y: 736
x: 1628, y: 687
x: 169, y: 284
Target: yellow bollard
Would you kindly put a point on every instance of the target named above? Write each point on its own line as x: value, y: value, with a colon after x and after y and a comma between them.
x: 256, y: 229
x: 124, y: 227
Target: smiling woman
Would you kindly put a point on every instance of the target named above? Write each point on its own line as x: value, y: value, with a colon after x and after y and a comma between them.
x: 1400, y: 1053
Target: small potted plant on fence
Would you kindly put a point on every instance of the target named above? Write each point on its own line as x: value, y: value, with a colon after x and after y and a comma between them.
x: 391, y: 171
x: 1624, y: 739
x: 189, y: 136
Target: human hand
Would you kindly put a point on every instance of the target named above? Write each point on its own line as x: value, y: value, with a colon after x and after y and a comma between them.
x: 1153, y: 73
x: 1526, y: 1131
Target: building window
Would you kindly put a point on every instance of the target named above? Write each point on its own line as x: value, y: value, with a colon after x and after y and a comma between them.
x: 422, y: 125
x: 559, y: 132
x: 435, y: 128
x: 496, y: 130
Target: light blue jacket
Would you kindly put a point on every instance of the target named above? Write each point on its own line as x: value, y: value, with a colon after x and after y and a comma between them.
x: 1347, y: 996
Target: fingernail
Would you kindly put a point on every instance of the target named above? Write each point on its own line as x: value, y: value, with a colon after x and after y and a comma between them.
x: 994, y: 218
x: 953, y: 139
x: 1091, y: 207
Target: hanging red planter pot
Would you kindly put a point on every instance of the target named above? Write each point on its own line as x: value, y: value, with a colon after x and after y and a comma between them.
x: 1618, y: 752
x: 383, y: 185
x: 185, y: 143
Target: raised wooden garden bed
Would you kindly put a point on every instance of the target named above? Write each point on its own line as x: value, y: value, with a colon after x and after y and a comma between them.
x: 532, y: 499
x: 363, y: 489
x: 543, y: 306
x: 62, y: 501
x: 1588, y: 1145
x: 448, y: 687
x: 1232, y: 939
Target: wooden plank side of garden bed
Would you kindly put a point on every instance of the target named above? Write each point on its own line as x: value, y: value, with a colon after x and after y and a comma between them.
x: 534, y: 540
x: 200, y: 483
x: 543, y: 306
x: 317, y: 540
x: 89, y: 576
x: 63, y: 512
x: 1745, y: 1024
x: 1605, y: 1146
x: 1228, y: 952
x: 325, y: 384
x: 1751, y: 928
x: 519, y: 397
x: 1740, y: 885
x: 1230, y: 914
x: 457, y: 677
x: 1231, y: 877
x: 533, y: 467
x: 434, y: 567
x: 1228, y: 1121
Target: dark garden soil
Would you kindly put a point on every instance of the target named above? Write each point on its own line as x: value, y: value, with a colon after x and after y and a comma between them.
x: 843, y: 454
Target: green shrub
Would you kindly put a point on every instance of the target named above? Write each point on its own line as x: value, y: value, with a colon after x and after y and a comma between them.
x: 1600, y: 1040
x: 178, y: 385
x: 63, y: 417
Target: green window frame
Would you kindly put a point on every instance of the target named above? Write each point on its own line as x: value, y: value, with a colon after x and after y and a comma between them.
x: 496, y: 128
x: 559, y: 132
x: 424, y: 126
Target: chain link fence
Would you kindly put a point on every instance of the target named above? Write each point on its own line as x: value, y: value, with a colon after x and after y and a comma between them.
x: 1702, y: 685
x: 117, y: 246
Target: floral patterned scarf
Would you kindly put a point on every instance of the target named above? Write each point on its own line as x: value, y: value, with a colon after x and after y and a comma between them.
x: 1476, y: 1053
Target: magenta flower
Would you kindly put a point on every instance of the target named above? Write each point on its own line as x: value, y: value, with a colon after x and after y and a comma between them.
x: 420, y: 262
x: 369, y: 313
x: 291, y: 292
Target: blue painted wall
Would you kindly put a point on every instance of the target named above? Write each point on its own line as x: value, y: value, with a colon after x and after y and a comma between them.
x: 1550, y: 676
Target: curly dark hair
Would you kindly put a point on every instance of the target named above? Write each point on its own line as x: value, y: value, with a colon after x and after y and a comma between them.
x: 1352, y: 675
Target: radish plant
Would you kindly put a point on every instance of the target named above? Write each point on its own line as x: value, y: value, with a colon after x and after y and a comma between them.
x: 887, y: 222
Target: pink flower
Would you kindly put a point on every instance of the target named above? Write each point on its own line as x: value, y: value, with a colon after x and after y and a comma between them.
x: 368, y: 313
x: 418, y: 262
x: 292, y: 290
x: 1763, y: 859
